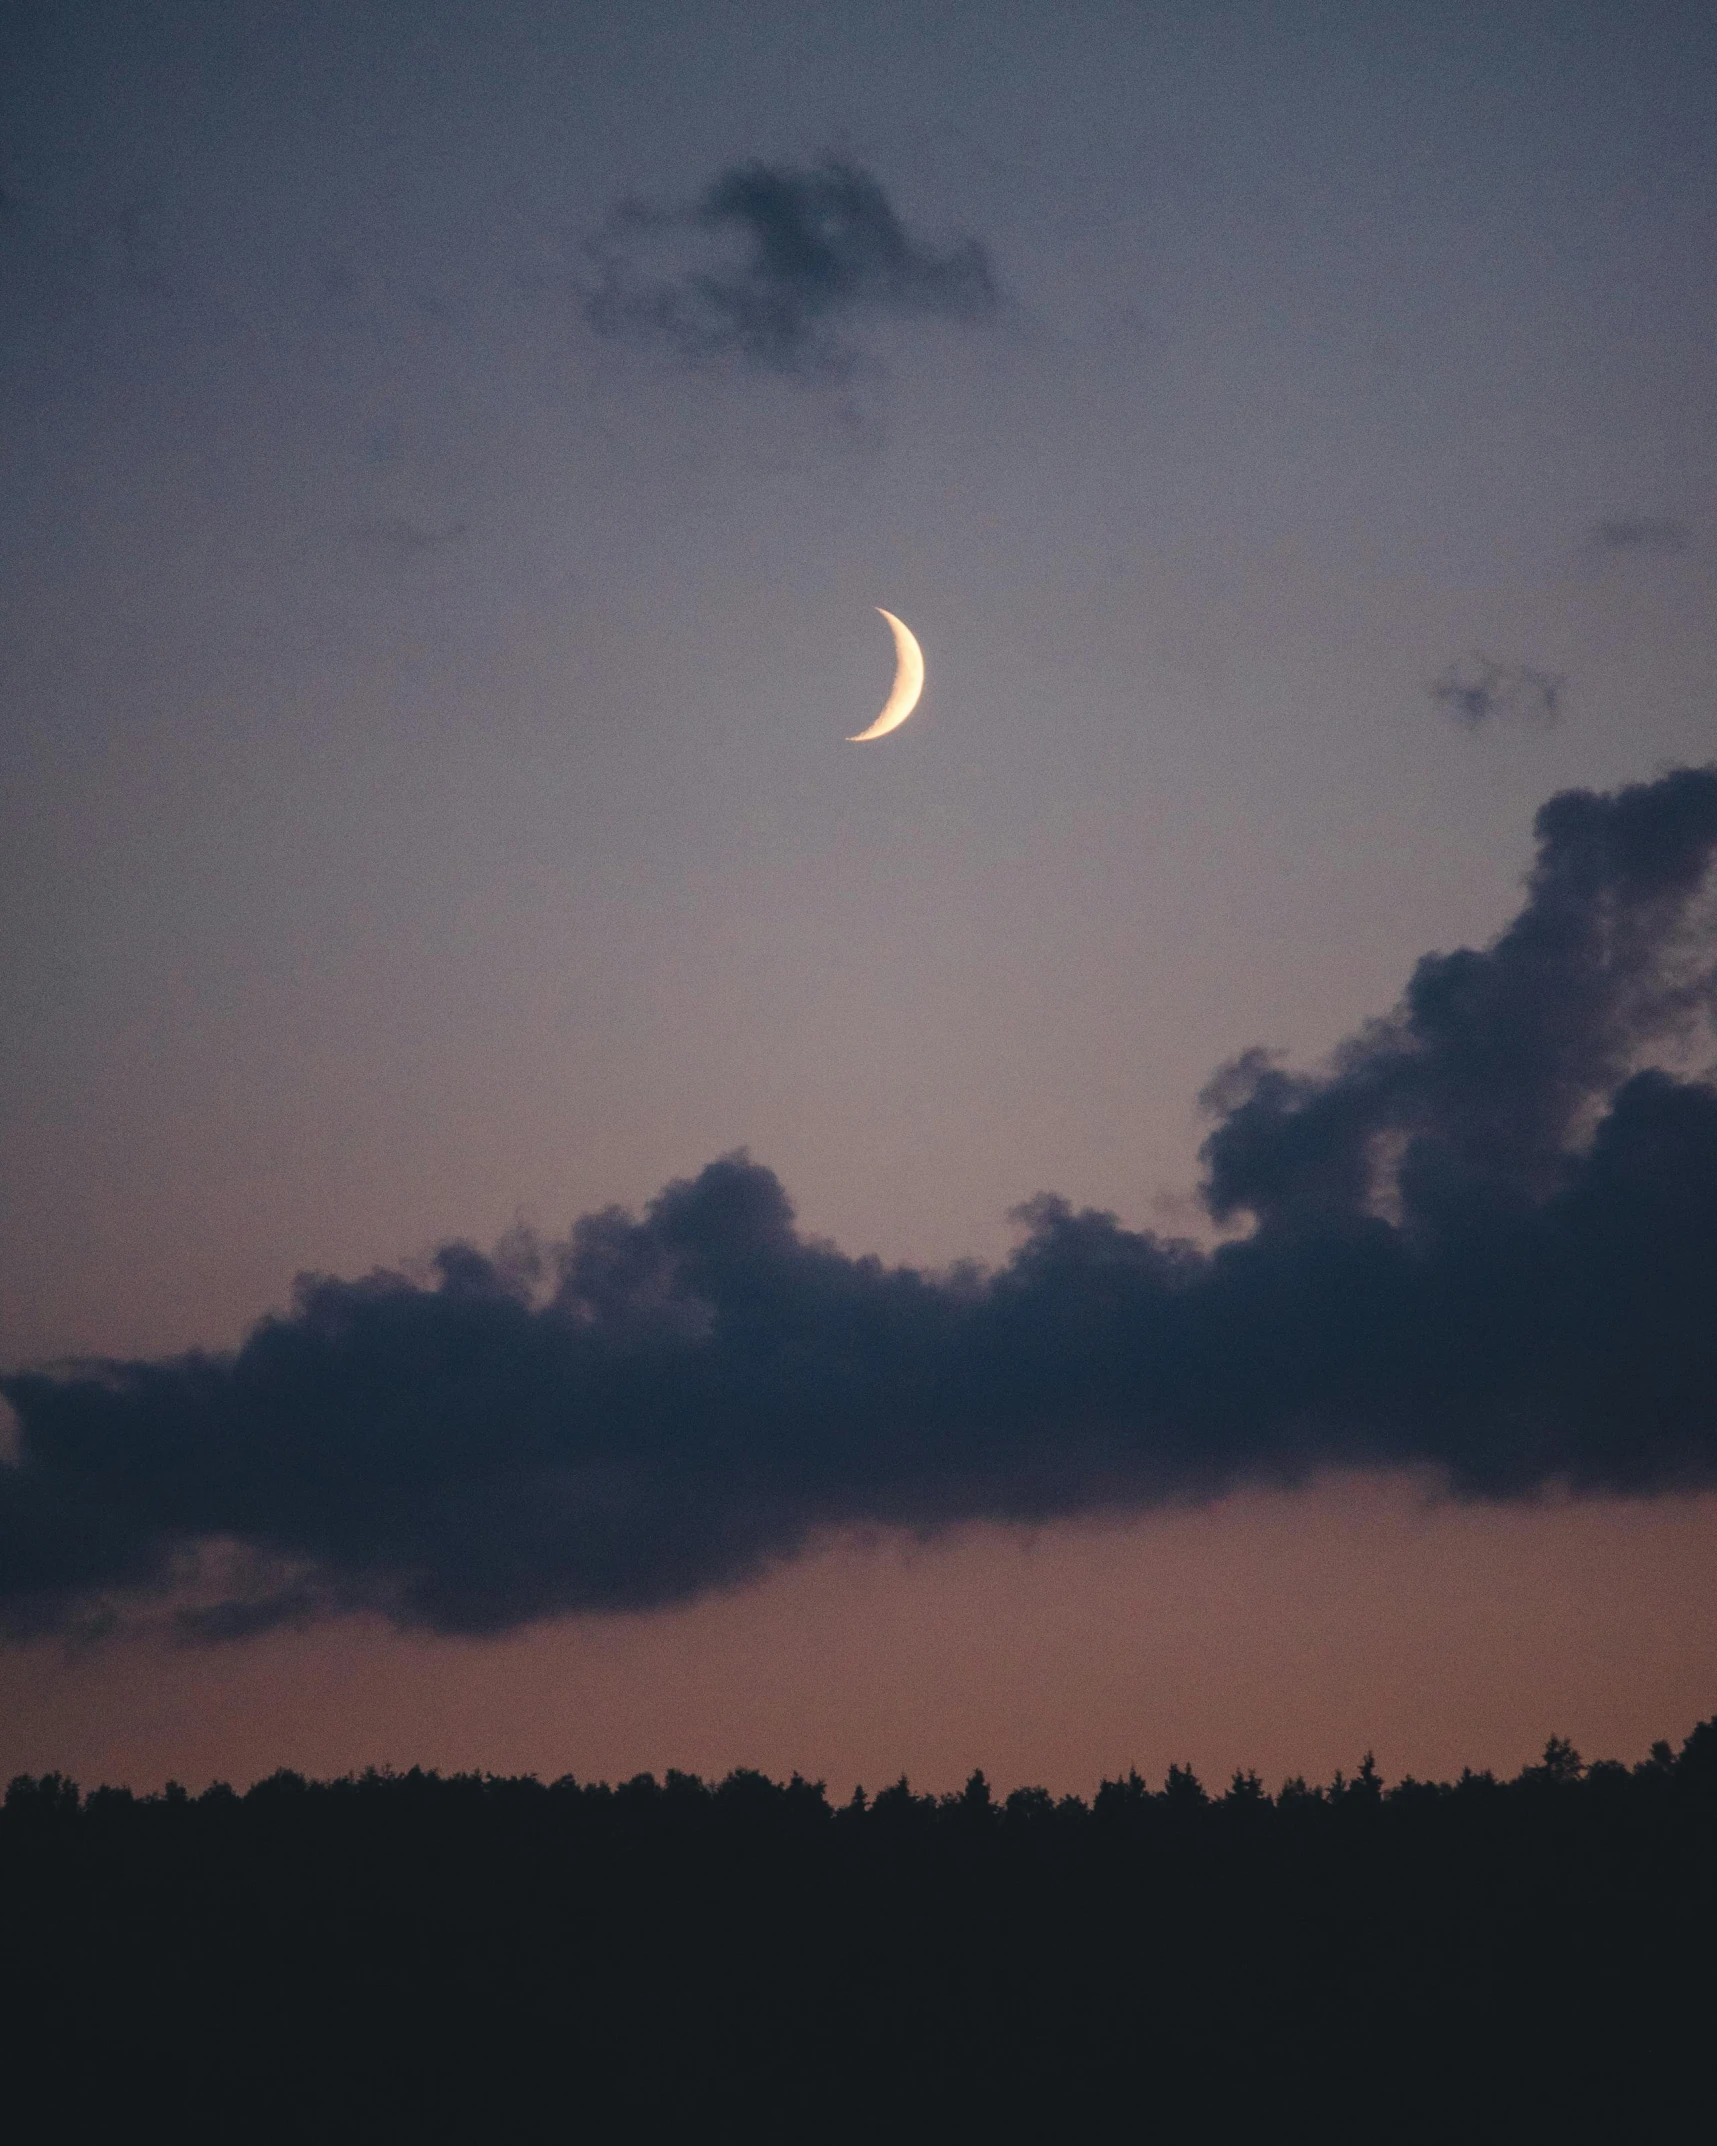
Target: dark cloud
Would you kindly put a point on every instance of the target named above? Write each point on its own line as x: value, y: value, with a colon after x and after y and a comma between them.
x: 1640, y: 533
x: 1482, y: 1239
x: 774, y: 267
x: 1477, y: 690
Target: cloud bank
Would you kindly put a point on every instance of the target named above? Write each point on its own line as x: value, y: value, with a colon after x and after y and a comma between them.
x: 773, y: 267
x: 1482, y: 1239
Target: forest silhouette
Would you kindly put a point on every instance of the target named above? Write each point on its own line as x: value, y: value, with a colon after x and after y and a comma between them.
x: 407, y: 1955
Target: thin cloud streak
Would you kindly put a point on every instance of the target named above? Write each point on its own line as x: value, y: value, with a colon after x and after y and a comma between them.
x: 1651, y: 534
x: 404, y: 538
x: 1481, y: 1240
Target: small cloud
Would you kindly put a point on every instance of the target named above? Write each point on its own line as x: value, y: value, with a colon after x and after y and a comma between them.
x: 1654, y: 535
x: 769, y: 268
x: 405, y: 539
x: 1478, y: 690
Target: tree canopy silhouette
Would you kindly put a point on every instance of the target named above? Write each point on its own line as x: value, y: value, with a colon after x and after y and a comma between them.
x: 407, y: 1955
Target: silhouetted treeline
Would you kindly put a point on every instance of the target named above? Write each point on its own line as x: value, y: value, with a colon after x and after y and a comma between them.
x: 411, y: 1956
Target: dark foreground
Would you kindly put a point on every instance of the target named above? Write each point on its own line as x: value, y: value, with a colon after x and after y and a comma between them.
x: 409, y: 1957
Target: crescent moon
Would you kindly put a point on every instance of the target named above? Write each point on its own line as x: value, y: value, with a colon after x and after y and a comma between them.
x: 908, y: 682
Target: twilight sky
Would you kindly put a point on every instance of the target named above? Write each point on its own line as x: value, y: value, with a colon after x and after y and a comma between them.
x: 453, y: 456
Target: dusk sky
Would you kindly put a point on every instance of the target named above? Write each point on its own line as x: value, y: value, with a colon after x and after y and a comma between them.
x: 453, y: 456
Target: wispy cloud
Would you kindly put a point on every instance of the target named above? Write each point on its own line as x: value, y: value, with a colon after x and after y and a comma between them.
x: 404, y: 538
x: 776, y: 268
x: 1652, y: 534
x: 1478, y: 690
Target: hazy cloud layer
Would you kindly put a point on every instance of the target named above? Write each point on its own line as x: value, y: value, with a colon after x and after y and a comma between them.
x: 775, y: 267
x: 1482, y: 1238
x: 1477, y: 690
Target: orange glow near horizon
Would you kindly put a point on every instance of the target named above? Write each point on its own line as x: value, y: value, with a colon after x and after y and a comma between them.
x: 1286, y: 1632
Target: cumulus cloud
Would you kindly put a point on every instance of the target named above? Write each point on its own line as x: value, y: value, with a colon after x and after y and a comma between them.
x: 1482, y: 1239
x: 1477, y: 690
x: 775, y: 267
x: 1648, y: 533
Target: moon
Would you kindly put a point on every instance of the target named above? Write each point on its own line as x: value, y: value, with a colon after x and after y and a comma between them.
x: 908, y: 682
